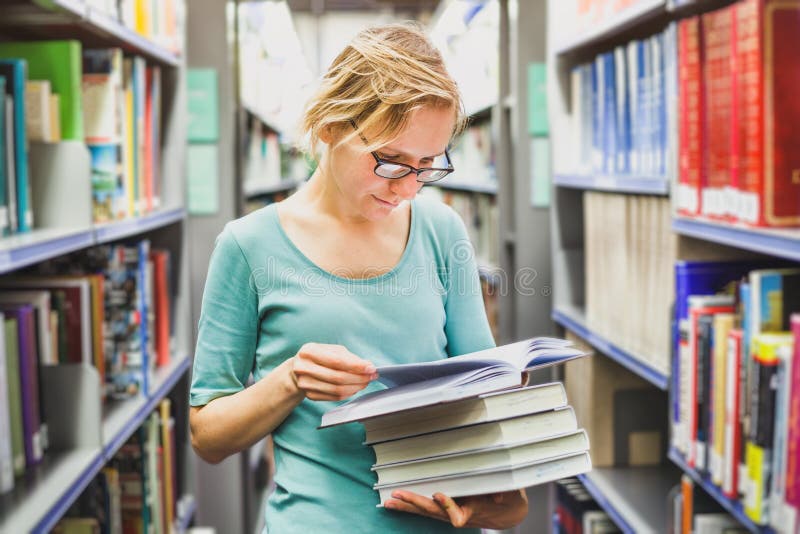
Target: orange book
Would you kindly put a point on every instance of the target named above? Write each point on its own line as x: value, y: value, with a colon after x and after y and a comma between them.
x: 160, y: 259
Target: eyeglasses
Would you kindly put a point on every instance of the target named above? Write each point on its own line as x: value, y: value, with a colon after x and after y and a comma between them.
x: 393, y: 171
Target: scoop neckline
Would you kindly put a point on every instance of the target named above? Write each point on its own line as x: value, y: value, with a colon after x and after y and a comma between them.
x: 371, y: 280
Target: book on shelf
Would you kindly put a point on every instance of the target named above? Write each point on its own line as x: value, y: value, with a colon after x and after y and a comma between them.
x: 15, y: 72
x: 736, y: 158
x: 468, y: 424
x: 736, y: 370
x: 578, y: 512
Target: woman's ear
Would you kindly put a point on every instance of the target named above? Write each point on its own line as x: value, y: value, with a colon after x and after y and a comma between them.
x: 327, y: 134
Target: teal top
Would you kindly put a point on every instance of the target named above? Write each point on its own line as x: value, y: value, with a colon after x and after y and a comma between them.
x: 264, y: 299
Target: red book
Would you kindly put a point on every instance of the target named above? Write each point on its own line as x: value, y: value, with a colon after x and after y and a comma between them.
x: 733, y: 442
x: 699, y: 305
x: 690, y: 102
x: 768, y: 69
x: 160, y: 259
x: 717, y: 83
x: 793, y: 437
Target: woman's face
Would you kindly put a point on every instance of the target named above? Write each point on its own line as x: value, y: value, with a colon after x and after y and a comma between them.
x: 372, y: 197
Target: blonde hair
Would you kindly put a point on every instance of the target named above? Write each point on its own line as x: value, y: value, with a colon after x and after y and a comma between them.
x: 384, y: 74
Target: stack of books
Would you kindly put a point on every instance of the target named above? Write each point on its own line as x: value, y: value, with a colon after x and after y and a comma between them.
x: 469, y: 425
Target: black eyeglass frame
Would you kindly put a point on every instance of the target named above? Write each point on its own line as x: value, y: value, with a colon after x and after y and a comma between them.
x: 380, y: 161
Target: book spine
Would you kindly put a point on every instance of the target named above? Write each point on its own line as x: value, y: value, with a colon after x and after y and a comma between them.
x: 732, y: 398
x: 793, y: 435
x: 6, y: 448
x: 744, y: 385
x: 781, y: 41
x: 610, y: 126
x: 690, y: 119
x: 597, y: 115
x: 623, y: 119
x: 749, y: 91
x: 717, y: 77
x: 722, y: 326
x: 29, y: 385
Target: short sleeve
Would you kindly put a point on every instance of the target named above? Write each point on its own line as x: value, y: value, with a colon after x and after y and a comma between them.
x: 466, y: 326
x: 228, y: 327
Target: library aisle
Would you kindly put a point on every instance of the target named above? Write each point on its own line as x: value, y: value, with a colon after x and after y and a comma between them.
x: 629, y: 181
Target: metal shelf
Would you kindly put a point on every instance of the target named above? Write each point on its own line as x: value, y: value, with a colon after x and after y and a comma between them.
x: 186, y: 507
x: 732, y: 507
x: 639, y: 13
x: 76, y: 19
x: 107, y: 232
x: 634, y: 497
x: 45, y: 494
x: 269, y: 123
x: 486, y: 189
x: 774, y: 242
x: 575, y: 320
x: 22, y: 250
x: 264, y: 190
x: 645, y: 185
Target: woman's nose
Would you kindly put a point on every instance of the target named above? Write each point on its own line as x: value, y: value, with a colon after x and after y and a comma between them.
x: 406, y: 187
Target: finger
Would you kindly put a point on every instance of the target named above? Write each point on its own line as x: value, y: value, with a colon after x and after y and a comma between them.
x: 458, y: 515
x: 402, y: 506
x: 325, y: 374
x: 319, y: 390
x: 336, y: 357
x: 424, y: 504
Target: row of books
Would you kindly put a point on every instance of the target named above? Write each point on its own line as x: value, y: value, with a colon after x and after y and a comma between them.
x: 737, y: 153
x: 629, y: 253
x: 121, y: 99
x: 268, y: 161
x: 736, y: 373
x: 157, y: 20
x: 138, y: 490
x: 56, y: 92
x: 694, y: 512
x: 481, y: 217
x: 468, y: 425
x: 619, y: 110
x: 578, y: 512
x: 473, y: 156
x: 113, y: 314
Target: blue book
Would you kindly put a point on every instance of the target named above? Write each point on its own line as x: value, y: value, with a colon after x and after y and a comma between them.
x: 642, y: 94
x: 609, y: 113
x: 144, y: 309
x: 16, y: 74
x: 597, y: 117
x: 623, y: 111
x: 699, y: 278
x: 659, y: 105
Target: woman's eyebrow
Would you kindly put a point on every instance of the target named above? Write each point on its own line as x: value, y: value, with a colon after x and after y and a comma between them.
x: 390, y: 150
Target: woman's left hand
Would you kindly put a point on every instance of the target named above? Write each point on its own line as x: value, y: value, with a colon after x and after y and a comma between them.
x: 496, y: 510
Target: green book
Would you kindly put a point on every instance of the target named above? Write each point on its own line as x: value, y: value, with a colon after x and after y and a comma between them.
x: 59, y: 62
x: 14, y: 396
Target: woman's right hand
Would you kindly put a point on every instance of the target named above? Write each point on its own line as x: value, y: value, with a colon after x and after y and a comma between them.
x: 329, y: 372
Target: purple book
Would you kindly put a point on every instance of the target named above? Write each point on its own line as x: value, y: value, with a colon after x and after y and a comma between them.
x: 28, y: 378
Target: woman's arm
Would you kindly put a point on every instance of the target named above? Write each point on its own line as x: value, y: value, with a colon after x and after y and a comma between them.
x: 230, y: 424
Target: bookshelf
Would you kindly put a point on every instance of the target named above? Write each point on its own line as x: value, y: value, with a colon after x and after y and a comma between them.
x: 85, y: 434
x: 486, y: 189
x: 574, y: 319
x: 634, y: 497
x: 77, y: 19
x: 780, y: 243
x: 732, y: 507
x: 644, y: 185
x: 639, y: 20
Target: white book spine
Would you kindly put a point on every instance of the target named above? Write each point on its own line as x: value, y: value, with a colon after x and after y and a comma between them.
x: 6, y: 456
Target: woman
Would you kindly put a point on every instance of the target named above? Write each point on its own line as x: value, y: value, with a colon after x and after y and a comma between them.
x: 350, y: 272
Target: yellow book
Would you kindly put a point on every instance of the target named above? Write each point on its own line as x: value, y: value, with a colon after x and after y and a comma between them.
x: 723, y: 322
x: 166, y: 446
x: 129, y: 152
x: 55, y: 118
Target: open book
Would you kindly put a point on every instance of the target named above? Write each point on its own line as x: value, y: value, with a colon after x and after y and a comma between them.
x: 415, y: 385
